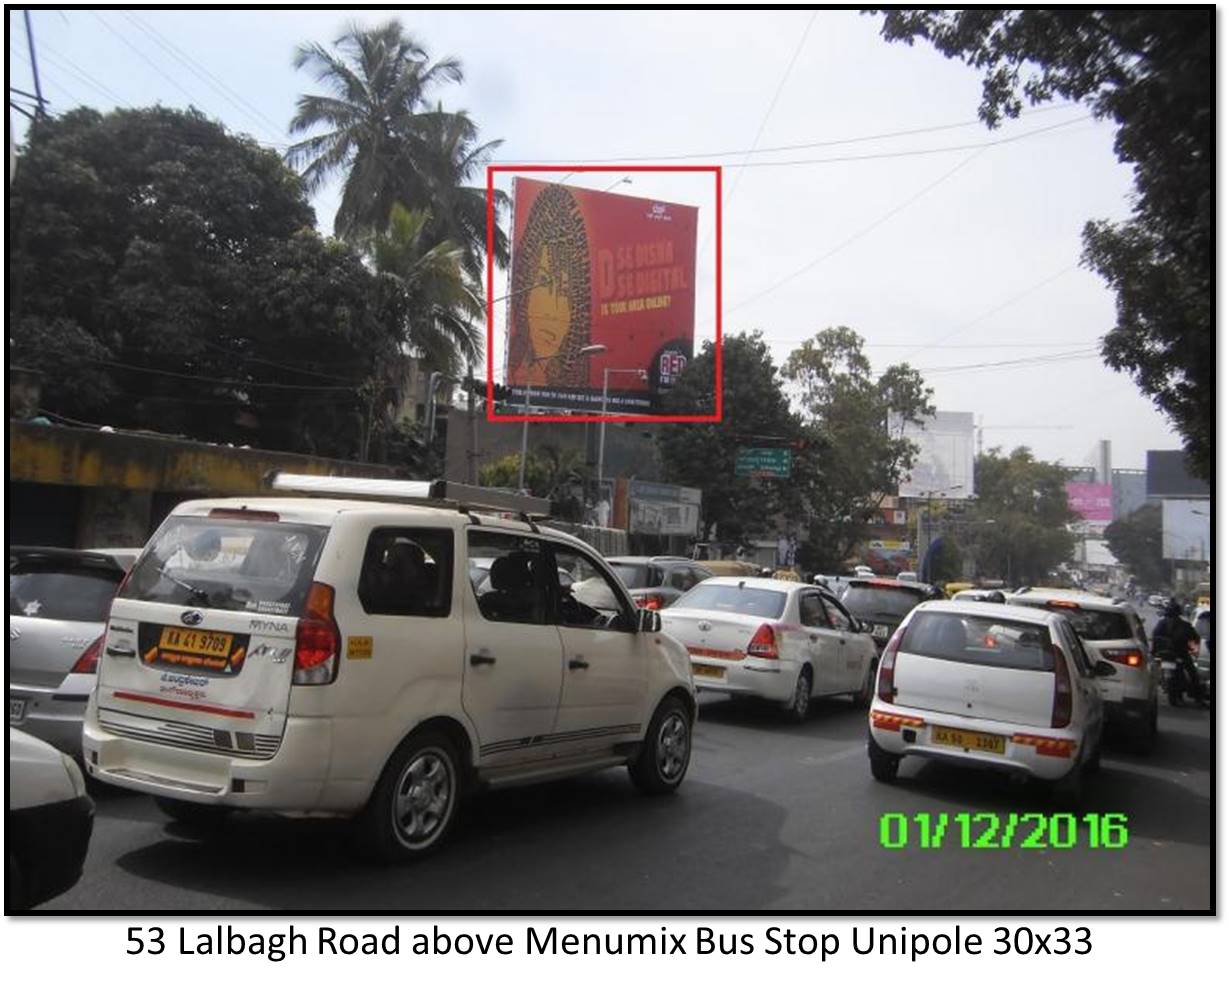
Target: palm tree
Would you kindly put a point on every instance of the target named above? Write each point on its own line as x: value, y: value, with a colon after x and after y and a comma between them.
x: 380, y: 78
x: 441, y: 302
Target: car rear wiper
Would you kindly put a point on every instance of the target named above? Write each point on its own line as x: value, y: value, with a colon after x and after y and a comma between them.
x: 200, y: 595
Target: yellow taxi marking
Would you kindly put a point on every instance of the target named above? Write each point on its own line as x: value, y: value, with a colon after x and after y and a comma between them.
x: 358, y: 647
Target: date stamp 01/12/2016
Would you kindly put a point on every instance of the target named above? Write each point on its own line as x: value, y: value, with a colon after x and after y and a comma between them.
x: 991, y: 830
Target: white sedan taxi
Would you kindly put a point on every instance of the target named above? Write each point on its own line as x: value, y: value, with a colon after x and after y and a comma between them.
x: 779, y: 640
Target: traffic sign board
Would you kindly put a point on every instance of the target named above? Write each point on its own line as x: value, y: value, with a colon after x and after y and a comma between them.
x: 763, y: 462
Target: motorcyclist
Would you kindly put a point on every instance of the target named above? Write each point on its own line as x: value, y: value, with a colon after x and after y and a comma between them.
x: 1175, y: 640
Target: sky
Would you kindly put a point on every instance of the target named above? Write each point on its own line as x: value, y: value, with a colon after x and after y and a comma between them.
x: 947, y: 247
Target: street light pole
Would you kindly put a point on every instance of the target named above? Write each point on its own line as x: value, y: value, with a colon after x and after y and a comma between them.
x: 589, y: 351
x: 601, y: 437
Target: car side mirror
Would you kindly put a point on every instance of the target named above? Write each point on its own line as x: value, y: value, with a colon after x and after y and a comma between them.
x: 1104, y: 669
x: 650, y: 620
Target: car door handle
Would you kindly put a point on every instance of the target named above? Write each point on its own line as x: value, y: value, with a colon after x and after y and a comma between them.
x: 814, y: 637
x: 842, y: 640
x: 479, y: 659
x: 118, y: 651
x: 578, y: 663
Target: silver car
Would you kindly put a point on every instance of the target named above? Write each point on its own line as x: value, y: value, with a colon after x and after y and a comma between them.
x: 58, y: 605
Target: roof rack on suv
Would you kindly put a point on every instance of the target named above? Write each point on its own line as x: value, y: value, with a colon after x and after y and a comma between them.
x: 441, y: 493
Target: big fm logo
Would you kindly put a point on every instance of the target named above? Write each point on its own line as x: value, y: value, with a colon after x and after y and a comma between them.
x: 659, y: 211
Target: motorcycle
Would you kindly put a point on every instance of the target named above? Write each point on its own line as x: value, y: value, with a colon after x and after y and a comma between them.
x: 1178, y: 681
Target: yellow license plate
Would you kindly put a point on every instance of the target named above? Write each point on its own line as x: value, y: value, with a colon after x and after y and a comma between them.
x: 198, y: 641
x: 708, y: 670
x: 981, y: 742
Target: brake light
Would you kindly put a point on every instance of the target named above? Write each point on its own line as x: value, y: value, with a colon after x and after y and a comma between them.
x: 649, y: 601
x: 1061, y: 603
x: 886, y: 688
x: 317, y: 640
x: 251, y: 515
x: 87, y: 663
x: 1060, y: 715
x: 764, y: 643
x: 1131, y: 658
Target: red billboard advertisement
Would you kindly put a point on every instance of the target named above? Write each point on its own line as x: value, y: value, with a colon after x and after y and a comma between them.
x: 1092, y: 502
x: 602, y: 292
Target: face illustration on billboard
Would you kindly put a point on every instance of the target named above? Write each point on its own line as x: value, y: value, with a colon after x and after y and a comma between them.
x: 608, y: 275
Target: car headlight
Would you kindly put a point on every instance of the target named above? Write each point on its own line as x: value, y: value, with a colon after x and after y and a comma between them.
x: 74, y: 774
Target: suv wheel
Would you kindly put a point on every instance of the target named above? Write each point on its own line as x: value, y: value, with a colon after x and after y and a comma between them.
x: 203, y: 817
x: 415, y: 801
x: 663, y: 759
x: 799, y: 706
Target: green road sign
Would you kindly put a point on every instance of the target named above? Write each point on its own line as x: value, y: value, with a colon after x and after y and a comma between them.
x: 763, y: 462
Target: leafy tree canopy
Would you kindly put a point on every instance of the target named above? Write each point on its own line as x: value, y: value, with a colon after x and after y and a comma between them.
x: 1136, y: 541
x: 702, y: 455
x: 153, y: 239
x: 855, y: 452
x: 1019, y: 523
x: 1150, y: 71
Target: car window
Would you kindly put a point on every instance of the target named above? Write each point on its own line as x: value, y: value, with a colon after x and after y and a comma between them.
x: 46, y: 590
x: 836, y: 615
x: 700, y: 574
x: 734, y: 598
x: 407, y: 572
x: 985, y: 641
x: 1075, y: 648
x: 881, y: 601
x: 589, y: 599
x: 681, y: 578
x: 1091, y: 623
x: 635, y: 575
x: 514, y: 588
x: 237, y: 565
x: 811, y: 612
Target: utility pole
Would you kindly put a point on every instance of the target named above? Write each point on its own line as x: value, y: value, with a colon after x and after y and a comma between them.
x: 38, y: 86
x: 471, y: 452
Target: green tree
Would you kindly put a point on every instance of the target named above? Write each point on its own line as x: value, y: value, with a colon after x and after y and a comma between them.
x: 701, y: 455
x: 1151, y: 72
x: 1136, y: 541
x: 855, y: 451
x: 389, y: 142
x: 166, y: 275
x: 1021, y: 518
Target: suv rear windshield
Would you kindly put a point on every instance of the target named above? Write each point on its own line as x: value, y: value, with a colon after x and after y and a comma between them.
x: 731, y: 598
x: 638, y: 575
x: 979, y: 639
x: 1091, y: 623
x: 231, y: 564
x: 881, y: 600
x: 43, y: 589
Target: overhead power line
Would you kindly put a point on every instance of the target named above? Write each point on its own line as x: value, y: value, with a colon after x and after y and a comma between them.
x: 1078, y: 355
x: 235, y: 382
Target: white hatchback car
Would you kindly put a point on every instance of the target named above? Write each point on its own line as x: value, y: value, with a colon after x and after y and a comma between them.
x: 994, y: 685
x: 318, y: 656
x: 1111, y: 630
x: 779, y: 640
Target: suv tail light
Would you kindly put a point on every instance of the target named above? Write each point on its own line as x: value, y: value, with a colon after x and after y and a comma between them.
x: 649, y: 601
x: 1060, y: 715
x: 764, y: 643
x: 87, y: 663
x: 317, y: 640
x: 1129, y: 657
x: 886, y: 688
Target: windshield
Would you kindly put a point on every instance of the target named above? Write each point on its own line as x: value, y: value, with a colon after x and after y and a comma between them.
x: 637, y: 575
x: 735, y: 599
x: 1091, y: 623
x: 228, y: 564
x: 43, y: 590
x: 984, y: 641
x: 880, y: 600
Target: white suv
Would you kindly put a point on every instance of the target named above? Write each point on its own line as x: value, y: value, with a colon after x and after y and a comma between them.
x: 316, y: 656
x: 1111, y: 630
x: 991, y: 685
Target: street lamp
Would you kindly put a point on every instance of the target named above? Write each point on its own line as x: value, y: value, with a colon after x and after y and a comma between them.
x: 601, y: 439
x: 923, y: 570
x: 583, y: 352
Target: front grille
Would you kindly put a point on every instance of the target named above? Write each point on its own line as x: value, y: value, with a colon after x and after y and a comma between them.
x: 183, y: 735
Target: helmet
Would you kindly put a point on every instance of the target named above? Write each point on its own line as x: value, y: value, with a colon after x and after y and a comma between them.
x: 1172, y: 609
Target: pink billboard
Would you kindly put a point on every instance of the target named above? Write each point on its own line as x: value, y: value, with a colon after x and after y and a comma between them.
x: 1091, y: 502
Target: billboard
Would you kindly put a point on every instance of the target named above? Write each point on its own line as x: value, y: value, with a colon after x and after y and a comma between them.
x: 943, y: 467
x: 1091, y: 502
x: 1186, y: 529
x: 594, y: 269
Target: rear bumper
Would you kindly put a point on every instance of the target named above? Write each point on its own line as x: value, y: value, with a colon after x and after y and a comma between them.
x: 54, y: 715
x: 1017, y: 757
x: 770, y: 679
x: 292, y: 781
